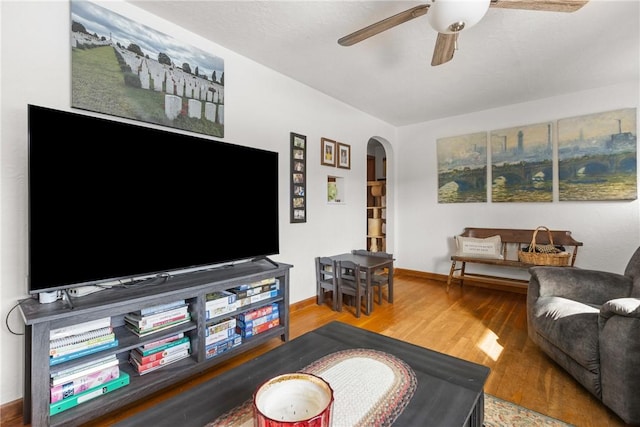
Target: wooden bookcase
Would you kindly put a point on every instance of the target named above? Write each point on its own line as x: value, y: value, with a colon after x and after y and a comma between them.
x: 376, y: 216
x: 192, y: 287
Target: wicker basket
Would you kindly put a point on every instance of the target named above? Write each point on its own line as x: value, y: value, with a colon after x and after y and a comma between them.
x: 548, y: 256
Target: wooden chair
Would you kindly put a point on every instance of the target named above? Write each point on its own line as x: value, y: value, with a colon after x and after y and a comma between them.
x: 380, y: 277
x: 326, y: 281
x: 350, y: 283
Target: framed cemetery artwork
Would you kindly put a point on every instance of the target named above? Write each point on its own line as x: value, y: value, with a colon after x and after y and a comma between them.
x: 125, y: 68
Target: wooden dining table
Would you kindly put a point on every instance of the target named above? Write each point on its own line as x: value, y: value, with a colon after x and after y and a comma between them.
x: 369, y: 264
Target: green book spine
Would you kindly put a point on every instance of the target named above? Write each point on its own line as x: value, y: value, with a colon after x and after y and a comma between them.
x: 164, y: 347
x: 68, y: 403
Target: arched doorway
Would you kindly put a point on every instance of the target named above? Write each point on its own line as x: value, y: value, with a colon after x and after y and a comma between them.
x: 378, y: 195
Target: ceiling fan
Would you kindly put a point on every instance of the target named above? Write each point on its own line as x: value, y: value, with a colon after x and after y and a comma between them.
x: 450, y: 17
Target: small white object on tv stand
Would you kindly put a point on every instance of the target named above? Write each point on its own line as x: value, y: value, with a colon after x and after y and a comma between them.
x: 48, y: 297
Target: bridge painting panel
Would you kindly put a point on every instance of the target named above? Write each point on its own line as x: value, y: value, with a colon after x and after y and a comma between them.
x: 597, y: 156
x: 462, y: 168
x: 521, y: 160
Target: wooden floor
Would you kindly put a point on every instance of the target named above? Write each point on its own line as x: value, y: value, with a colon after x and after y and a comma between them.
x: 481, y: 325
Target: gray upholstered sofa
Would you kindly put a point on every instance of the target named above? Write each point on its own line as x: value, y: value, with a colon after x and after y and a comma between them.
x: 589, y: 322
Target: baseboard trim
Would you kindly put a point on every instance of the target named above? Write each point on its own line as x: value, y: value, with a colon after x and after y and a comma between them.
x: 403, y: 272
x: 10, y: 412
x: 477, y: 280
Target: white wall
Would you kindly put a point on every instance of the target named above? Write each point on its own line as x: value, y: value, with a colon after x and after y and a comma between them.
x: 262, y: 108
x: 424, y: 229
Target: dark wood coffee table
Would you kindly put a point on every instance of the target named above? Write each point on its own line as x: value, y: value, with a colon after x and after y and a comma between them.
x: 449, y: 390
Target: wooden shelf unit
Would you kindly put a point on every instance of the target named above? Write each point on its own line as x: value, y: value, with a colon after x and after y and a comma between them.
x: 193, y: 287
x: 376, y: 216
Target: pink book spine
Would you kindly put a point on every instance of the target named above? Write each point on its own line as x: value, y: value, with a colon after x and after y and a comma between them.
x: 81, y: 384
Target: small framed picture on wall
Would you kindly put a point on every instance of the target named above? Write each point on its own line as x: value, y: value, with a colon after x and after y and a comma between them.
x: 344, y: 156
x: 328, y: 152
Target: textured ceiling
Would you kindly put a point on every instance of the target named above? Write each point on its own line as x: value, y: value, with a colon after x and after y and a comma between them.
x: 511, y: 56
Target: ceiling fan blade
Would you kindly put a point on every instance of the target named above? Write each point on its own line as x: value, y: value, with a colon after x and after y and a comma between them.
x: 445, y: 46
x: 383, y: 25
x: 543, y: 5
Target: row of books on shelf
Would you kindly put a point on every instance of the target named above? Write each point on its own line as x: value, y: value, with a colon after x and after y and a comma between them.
x: 223, y: 302
x: 157, y: 318
x: 230, y: 332
x: 160, y: 353
x: 72, y: 342
x: 122, y: 380
x: 72, y: 386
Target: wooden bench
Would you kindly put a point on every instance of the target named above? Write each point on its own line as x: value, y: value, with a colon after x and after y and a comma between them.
x: 512, y: 241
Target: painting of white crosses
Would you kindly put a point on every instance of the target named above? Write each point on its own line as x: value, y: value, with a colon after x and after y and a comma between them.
x: 123, y: 68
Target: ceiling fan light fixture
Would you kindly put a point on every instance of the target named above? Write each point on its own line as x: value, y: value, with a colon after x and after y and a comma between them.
x: 452, y: 16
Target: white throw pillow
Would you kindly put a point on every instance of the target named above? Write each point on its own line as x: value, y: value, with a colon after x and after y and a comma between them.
x: 473, y: 247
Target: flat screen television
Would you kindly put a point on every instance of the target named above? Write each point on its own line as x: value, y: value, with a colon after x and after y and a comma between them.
x: 112, y: 201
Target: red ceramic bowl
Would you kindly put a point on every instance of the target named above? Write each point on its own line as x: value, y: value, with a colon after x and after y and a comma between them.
x: 293, y: 400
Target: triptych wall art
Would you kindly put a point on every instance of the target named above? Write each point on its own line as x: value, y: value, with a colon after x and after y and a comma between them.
x: 587, y: 158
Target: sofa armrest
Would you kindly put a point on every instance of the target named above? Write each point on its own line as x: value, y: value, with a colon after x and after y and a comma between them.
x: 586, y: 286
x: 619, y: 343
x: 628, y: 307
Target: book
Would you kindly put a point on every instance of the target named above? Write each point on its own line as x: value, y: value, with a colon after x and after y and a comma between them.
x: 162, y: 341
x: 59, y: 371
x: 145, y: 332
x: 257, y: 297
x: 256, y: 288
x: 146, y: 352
x: 77, y: 338
x: 81, y: 353
x: 122, y: 380
x: 249, y: 332
x: 221, y: 297
x: 220, y: 311
x: 257, y: 312
x: 137, y: 355
x: 224, y: 334
x: 66, y: 375
x: 157, y: 324
x: 222, y: 325
x: 219, y: 303
x: 259, y: 320
x: 215, y: 349
x: 258, y: 283
x: 92, y: 342
x: 160, y: 307
x: 152, y: 319
x: 79, y: 328
x: 155, y: 364
x: 84, y: 383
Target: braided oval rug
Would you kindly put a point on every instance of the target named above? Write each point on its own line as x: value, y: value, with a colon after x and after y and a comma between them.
x: 384, y: 387
x: 371, y: 388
